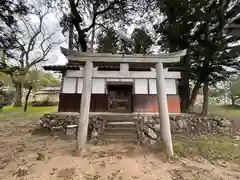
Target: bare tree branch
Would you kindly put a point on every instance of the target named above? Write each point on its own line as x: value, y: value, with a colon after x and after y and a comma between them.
x: 97, y: 13
x: 33, y: 38
x: 44, y: 51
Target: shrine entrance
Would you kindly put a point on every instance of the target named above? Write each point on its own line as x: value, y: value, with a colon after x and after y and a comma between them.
x: 120, y: 98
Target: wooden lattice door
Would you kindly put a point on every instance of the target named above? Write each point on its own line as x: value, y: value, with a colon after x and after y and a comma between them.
x: 120, y: 98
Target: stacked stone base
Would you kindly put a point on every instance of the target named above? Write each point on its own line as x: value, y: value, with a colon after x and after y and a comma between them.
x: 55, y: 122
x: 147, y: 126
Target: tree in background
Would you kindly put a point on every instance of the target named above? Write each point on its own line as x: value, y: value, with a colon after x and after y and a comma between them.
x: 47, y: 79
x: 198, y: 27
x: 35, y: 80
x: 87, y: 16
x: 9, y: 10
x: 126, y: 45
x: 111, y: 41
x: 1, y: 95
x: 180, y: 17
x: 107, y: 41
x: 234, y: 89
x: 6, y: 90
x: 142, y: 42
x: 35, y: 42
x: 30, y: 81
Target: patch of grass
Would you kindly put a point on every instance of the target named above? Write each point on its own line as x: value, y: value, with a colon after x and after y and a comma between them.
x: 209, y: 147
x: 11, y: 113
x: 226, y: 110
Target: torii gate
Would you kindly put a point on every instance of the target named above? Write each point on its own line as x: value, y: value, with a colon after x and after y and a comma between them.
x: 89, y: 59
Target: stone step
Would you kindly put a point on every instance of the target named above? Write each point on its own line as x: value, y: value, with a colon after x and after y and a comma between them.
x: 120, y: 125
x: 118, y: 140
x: 113, y: 141
x: 120, y: 129
x: 119, y: 118
x: 118, y: 134
x: 117, y: 123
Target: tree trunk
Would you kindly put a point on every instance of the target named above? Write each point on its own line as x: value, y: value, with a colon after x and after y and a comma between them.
x: 70, y: 38
x: 92, y: 40
x: 184, y: 89
x: 232, y: 100
x: 194, y: 95
x: 26, y: 99
x: 205, y: 97
x: 17, y: 95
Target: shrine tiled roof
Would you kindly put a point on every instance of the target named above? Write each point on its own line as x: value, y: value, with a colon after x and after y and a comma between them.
x: 61, y: 68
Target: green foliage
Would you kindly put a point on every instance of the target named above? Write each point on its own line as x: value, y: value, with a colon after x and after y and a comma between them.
x: 1, y: 100
x: 197, y: 26
x: 5, y: 79
x: 229, y: 111
x: 141, y: 41
x: 126, y: 45
x: 34, y: 113
x: 107, y: 41
x: 48, y: 79
x: 9, y: 11
x: 180, y: 17
x: 209, y: 147
x: 235, y: 87
x: 1, y: 93
x: 216, y: 92
x: 38, y: 79
x: 87, y: 14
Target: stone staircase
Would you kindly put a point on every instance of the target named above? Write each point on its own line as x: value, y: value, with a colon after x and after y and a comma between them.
x: 119, y: 129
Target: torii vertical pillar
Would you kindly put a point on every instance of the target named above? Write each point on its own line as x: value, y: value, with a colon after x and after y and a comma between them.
x: 163, y: 111
x: 85, y: 106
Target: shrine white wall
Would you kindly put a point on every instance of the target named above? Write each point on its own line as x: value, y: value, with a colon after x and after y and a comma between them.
x: 69, y: 85
x: 75, y: 85
x: 140, y: 86
x: 99, y: 85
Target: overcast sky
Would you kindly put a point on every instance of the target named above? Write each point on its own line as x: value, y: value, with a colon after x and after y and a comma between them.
x: 51, y: 24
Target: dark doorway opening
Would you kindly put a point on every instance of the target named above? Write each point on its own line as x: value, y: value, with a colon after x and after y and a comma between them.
x: 120, y: 98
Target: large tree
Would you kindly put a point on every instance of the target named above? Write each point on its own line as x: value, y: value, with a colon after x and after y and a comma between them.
x: 35, y: 41
x: 8, y: 11
x: 218, y: 52
x: 198, y: 27
x: 87, y: 15
x: 176, y: 35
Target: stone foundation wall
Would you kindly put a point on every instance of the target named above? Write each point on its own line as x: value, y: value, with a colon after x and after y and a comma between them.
x: 54, y: 122
x: 148, y: 127
x: 57, y: 122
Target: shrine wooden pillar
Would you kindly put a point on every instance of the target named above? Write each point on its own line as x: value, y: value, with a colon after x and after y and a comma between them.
x: 163, y: 111
x: 85, y: 106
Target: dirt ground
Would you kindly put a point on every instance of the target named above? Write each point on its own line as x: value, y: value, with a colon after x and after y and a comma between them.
x: 28, y: 155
